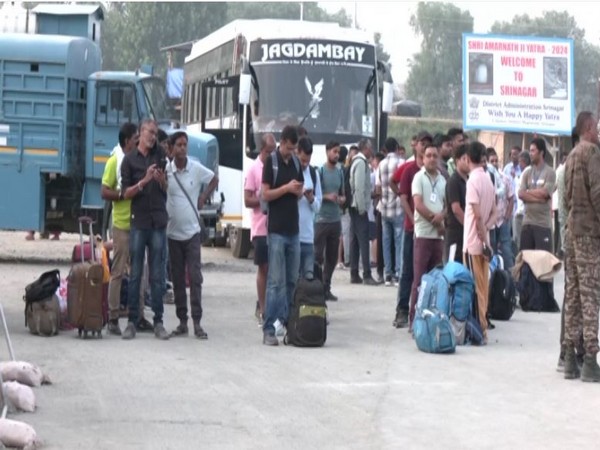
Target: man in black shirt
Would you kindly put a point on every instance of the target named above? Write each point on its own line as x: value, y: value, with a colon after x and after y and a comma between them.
x: 144, y: 182
x: 456, y: 192
x: 282, y: 188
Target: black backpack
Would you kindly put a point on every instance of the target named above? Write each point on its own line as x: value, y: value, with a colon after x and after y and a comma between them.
x: 347, y: 188
x: 535, y: 295
x: 307, y: 322
x: 42, y: 288
x: 502, y: 295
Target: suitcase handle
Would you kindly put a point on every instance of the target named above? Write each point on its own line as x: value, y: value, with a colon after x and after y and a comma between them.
x: 90, y: 222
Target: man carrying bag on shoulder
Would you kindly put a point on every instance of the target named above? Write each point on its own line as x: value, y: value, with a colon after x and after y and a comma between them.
x: 184, y: 230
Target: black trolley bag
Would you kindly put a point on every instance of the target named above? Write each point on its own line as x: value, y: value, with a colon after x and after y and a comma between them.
x: 307, y: 322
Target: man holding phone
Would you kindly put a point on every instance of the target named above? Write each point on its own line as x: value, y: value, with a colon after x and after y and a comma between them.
x: 146, y: 185
x: 282, y: 189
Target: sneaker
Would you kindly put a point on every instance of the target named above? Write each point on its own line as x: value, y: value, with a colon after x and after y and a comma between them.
x: 330, y: 297
x: 340, y: 266
x: 401, y: 319
x: 160, y: 332
x: 369, y: 281
x: 388, y: 280
x: 396, y: 281
x: 356, y: 279
x: 199, y: 332
x: 113, y: 327
x: 129, y: 332
x: 279, y: 328
x: 181, y: 330
x: 169, y: 297
x: 270, y: 339
x: 144, y: 326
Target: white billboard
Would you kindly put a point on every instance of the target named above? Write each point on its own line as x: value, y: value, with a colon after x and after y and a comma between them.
x: 517, y: 83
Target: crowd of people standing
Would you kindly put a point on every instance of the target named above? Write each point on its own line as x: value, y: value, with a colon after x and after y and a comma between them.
x: 450, y: 200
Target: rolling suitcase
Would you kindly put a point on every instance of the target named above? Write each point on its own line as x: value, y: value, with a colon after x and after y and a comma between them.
x: 85, y: 296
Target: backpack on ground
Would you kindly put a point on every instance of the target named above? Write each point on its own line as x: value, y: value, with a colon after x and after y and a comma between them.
x: 307, y: 321
x: 432, y: 329
x: 460, y: 296
x: 42, y: 288
x: 42, y: 317
x: 264, y: 205
x: 535, y: 295
x: 502, y: 292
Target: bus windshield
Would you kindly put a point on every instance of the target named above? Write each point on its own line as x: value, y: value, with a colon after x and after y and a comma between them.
x: 155, y: 97
x: 329, y: 87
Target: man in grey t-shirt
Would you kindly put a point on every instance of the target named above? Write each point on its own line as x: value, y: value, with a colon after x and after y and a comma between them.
x: 537, y: 185
x: 329, y: 226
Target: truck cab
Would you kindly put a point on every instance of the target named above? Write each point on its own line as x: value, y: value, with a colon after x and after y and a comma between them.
x: 60, y: 117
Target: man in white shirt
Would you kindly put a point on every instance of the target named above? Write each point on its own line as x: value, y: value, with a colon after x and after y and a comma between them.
x: 184, y: 201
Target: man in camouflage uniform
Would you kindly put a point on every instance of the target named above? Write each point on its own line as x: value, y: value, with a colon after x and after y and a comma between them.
x: 582, y: 249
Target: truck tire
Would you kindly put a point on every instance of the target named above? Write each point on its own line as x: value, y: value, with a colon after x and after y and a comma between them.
x: 240, y: 242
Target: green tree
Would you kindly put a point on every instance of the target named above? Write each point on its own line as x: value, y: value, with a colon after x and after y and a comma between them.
x: 435, y: 77
x: 134, y: 33
x: 586, y: 56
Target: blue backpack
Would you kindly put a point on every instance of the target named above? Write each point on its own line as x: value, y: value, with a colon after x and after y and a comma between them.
x: 461, y: 291
x: 432, y: 330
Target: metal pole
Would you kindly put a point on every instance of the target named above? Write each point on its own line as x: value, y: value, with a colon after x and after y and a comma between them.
x: 6, y: 335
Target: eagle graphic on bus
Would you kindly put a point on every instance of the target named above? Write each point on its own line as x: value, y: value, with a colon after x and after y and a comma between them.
x: 316, y: 98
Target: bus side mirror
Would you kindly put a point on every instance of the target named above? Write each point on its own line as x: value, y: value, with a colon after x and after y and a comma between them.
x: 387, y: 98
x: 245, y: 88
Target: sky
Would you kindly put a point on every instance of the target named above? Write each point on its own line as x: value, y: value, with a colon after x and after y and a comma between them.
x: 391, y: 19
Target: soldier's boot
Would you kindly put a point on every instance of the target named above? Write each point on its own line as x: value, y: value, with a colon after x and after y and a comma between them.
x: 571, y: 368
x: 590, y: 370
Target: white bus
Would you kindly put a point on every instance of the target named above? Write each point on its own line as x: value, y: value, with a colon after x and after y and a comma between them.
x: 256, y: 76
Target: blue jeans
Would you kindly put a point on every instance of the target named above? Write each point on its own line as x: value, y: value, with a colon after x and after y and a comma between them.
x: 393, y: 228
x: 307, y: 260
x: 156, y: 241
x: 284, y: 266
x: 502, y: 243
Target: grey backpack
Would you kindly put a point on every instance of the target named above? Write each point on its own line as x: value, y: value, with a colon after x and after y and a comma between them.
x: 43, y: 317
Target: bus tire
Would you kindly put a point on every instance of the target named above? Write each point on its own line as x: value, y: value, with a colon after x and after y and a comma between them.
x: 240, y: 242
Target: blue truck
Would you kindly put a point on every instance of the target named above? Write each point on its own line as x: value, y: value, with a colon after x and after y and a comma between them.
x: 59, y: 121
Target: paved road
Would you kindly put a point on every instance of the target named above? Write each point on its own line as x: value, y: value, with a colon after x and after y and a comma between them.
x: 368, y: 388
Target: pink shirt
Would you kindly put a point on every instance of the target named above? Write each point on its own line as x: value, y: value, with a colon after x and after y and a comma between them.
x: 253, y: 182
x: 480, y: 191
